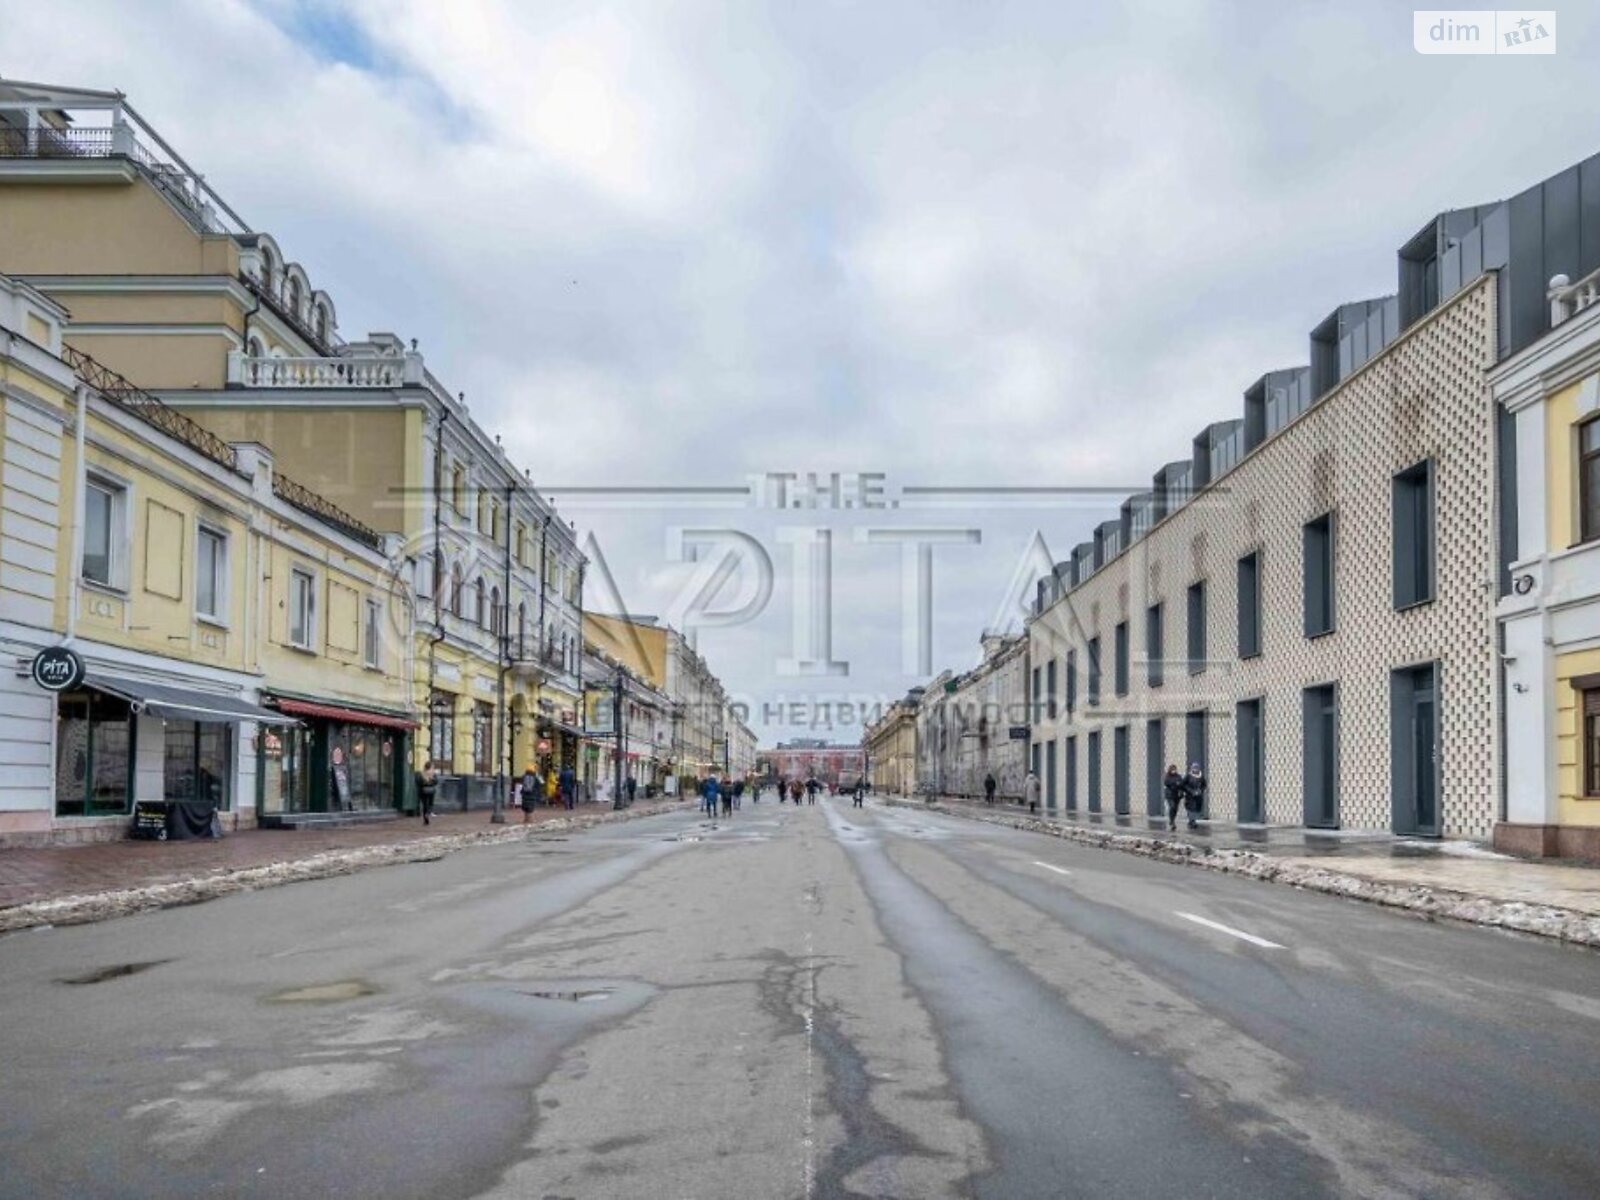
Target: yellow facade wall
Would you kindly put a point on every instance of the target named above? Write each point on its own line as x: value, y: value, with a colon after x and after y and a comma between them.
x: 356, y: 458
x: 1561, y: 464
x: 152, y: 308
x: 103, y: 229
x: 640, y: 648
x: 154, y: 362
x: 1572, y: 808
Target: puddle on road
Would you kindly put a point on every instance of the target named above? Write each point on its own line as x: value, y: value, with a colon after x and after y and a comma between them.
x: 119, y: 971
x: 584, y: 997
x: 324, y: 993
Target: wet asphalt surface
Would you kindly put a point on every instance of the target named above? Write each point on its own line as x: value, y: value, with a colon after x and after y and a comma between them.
x: 817, y: 1002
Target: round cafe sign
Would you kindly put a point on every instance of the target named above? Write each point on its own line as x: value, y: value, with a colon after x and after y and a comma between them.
x: 57, y: 669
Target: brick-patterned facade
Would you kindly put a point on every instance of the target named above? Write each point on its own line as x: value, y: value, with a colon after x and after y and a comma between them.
x: 1425, y: 396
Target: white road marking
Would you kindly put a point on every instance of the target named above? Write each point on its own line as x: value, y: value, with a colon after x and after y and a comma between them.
x: 1048, y: 867
x: 1231, y: 932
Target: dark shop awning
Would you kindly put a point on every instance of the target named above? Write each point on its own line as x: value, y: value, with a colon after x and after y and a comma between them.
x: 183, y: 704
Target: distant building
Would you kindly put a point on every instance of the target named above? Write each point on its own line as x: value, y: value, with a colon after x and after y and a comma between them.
x: 803, y: 758
x: 890, y: 744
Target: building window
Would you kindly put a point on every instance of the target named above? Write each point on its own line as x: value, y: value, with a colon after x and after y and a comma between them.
x: 522, y: 544
x: 438, y: 579
x: 1589, y: 706
x: 211, y: 574
x: 1318, y: 572
x: 522, y: 629
x: 302, y: 608
x: 1034, y: 698
x: 483, y: 738
x: 442, y: 732
x: 1072, y: 681
x: 458, y: 489
x: 495, y: 626
x: 479, y: 603
x: 291, y: 295
x: 1413, y: 535
x: 1155, y: 647
x: 1120, y: 665
x: 1094, y: 672
x: 104, y: 504
x: 1250, y: 605
x: 94, y: 755
x: 369, y: 634
x: 1050, y: 693
x: 1589, y: 480
x: 196, y: 763
x: 1197, y: 627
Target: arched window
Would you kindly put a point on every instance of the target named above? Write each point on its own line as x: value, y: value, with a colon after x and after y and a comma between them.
x: 494, y: 610
x: 268, y: 268
x: 254, y: 347
x: 458, y: 488
x: 437, y: 588
x: 478, y: 602
x: 455, y: 589
x: 291, y: 295
x: 321, y: 320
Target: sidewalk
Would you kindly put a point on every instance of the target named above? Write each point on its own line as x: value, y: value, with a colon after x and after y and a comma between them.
x: 37, y: 876
x: 1455, y: 879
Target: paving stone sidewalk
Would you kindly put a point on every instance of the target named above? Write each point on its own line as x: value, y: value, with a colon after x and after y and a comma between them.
x: 34, y: 874
x: 1457, y: 880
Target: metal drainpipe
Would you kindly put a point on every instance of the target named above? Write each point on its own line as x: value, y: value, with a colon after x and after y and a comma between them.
x: 503, y: 751
x: 442, y: 581
x: 80, y: 486
x: 580, y: 652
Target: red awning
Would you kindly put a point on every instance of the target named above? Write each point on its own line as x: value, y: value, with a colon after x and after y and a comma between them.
x: 332, y: 712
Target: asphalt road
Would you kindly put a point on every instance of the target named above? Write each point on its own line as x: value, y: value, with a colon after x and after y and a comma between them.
x: 814, y: 1002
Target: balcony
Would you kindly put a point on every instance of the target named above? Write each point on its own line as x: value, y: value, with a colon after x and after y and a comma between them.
x: 1568, y: 299
x: 336, y: 371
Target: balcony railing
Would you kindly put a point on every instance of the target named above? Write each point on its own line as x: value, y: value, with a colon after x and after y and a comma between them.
x: 339, y: 371
x: 1568, y: 299
x: 147, y: 408
x: 273, y: 297
x: 311, y: 503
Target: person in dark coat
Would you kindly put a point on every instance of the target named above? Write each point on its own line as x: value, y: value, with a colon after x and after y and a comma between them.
x: 1194, y: 794
x: 708, y: 795
x: 725, y: 790
x: 631, y: 786
x: 427, y: 789
x: 569, y: 788
x: 860, y: 792
x: 1175, y: 787
x: 988, y: 788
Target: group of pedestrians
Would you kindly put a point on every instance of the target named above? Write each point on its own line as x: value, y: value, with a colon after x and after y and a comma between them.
x: 1188, y: 790
x: 726, y: 793
x: 550, y: 786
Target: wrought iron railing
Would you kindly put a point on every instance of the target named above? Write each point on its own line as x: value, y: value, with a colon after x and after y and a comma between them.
x: 328, y: 342
x: 309, y: 502
x: 47, y: 141
x: 146, y: 407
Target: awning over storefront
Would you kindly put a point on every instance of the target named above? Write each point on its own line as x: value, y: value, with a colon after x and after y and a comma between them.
x: 545, y: 723
x: 182, y: 704
x: 353, y: 716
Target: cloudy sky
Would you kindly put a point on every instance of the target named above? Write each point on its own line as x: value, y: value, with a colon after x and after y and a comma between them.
x: 676, y: 245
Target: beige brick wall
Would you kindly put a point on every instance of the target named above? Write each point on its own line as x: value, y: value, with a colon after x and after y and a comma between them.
x: 1425, y: 396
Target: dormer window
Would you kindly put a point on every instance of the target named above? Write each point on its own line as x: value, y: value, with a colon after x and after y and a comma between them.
x: 291, y: 295
x: 320, y: 317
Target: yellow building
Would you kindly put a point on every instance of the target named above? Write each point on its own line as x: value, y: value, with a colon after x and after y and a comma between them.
x: 166, y: 284
x: 1550, y: 614
x: 890, y: 744
x: 236, y: 642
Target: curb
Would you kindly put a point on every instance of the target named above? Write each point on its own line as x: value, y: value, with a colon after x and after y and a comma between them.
x: 103, y: 906
x: 1428, y: 903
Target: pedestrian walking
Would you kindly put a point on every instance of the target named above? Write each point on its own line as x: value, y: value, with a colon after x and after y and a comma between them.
x: 738, y: 793
x: 812, y: 788
x: 708, y: 796
x: 988, y: 788
x: 532, y: 785
x: 569, y: 788
x: 1175, y: 787
x: 1194, y: 794
x: 1031, y: 788
x: 860, y: 793
x: 631, y: 786
x: 725, y: 790
x: 795, y: 789
x: 427, y: 789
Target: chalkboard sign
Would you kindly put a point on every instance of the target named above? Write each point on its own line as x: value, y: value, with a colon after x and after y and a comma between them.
x: 150, y: 820
x: 341, y: 784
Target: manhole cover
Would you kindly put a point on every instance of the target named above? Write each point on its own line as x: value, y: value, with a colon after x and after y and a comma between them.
x: 101, y: 974
x: 324, y: 993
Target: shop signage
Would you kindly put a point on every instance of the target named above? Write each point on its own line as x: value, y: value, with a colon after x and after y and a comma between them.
x: 1019, y: 733
x: 57, y: 669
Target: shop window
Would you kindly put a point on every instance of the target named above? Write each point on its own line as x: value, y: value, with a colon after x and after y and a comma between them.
x: 302, y: 608
x: 94, y: 755
x: 104, y: 505
x: 483, y: 738
x: 285, y: 755
x: 196, y: 762
x: 442, y: 732
x: 211, y: 574
x: 370, y: 648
